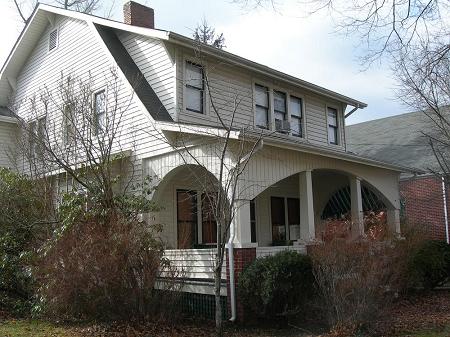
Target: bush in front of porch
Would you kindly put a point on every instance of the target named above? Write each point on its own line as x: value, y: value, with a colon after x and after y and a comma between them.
x: 276, y: 286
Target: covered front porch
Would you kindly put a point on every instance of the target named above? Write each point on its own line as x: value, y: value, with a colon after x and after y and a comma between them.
x: 285, y: 199
x: 292, y: 211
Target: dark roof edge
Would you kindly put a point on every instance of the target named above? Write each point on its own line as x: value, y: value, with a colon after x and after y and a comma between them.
x: 142, y: 88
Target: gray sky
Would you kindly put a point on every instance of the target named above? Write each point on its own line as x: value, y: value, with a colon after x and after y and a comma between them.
x: 284, y: 39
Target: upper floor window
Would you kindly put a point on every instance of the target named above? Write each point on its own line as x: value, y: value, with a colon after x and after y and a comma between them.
x: 262, y: 106
x: 332, y: 125
x: 32, y: 134
x: 279, y: 110
x: 194, y: 87
x: 100, y: 111
x: 296, y: 111
x: 53, y: 40
x: 68, y: 124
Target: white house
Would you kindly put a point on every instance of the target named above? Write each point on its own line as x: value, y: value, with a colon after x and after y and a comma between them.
x: 289, y: 185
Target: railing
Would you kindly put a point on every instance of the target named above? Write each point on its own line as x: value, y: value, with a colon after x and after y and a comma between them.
x: 266, y: 251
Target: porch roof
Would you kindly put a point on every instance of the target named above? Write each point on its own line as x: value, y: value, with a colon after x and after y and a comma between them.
x: 287, y: 142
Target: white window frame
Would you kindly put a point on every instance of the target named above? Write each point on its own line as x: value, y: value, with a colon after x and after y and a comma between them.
x: 303, y: 116
x: 205, y: 106
x: 288, y: 92
x: 270, y: 119
x: 66, y: 139
x: 286, y: 113
x: 97, y: 130
x: 338, y: 124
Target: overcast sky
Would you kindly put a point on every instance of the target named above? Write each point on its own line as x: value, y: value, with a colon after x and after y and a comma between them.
x: 284, y: 39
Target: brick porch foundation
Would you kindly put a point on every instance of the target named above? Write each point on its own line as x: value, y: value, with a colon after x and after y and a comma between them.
x: 242, y: 258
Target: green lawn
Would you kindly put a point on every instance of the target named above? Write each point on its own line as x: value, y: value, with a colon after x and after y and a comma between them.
x: 32, y: 328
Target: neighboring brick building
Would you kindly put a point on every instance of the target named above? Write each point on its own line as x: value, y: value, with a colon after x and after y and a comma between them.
x: 399, y: 140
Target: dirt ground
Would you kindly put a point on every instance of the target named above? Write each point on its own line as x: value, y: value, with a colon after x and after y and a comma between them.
x: 417, y: 316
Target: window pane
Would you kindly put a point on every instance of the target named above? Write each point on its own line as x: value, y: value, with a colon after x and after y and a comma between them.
x: 332, y: 116
x: 261, y: 96
x: 278, y: 219
x: 194, y: 75
x: 279, y: 101
x: 295, y: 107
x: 294, y: 218
x: 186, y: 218
x: 296, y: 126
x: 252, y: 220
x: 100, y: 110
x: 194, y: 100
x: 261, y: 118
x: 279, y: 116
x: 332, y: 135
x: 209, y: 224
x: 100, y: 102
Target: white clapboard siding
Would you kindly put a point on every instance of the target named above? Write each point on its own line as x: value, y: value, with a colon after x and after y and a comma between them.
x: 80, y: 54
x: 194, y: 263
x: 154, y: 62
x: 268, y: 251
x: 7, y: 144
x: 229, y: 83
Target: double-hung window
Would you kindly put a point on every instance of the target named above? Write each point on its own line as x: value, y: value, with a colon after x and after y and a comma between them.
x: 295, y: 109
x: 194, y: 87
x: 332, y: 125
x: 68, y: 124
x: 262, y: 106
x: 279, y: 109
x: 32, y: 134
x: 100, y: 111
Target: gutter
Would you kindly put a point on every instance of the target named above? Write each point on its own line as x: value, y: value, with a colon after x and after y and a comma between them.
x: 444, y: 198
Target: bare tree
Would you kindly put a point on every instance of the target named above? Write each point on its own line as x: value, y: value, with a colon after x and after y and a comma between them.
x: 204, y: 33
x: 229, y: 147
x: 424, y: 78
x: 25, y: 7
x: 73, y: 129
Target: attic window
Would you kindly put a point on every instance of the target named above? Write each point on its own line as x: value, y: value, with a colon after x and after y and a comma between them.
x: 53, y: 40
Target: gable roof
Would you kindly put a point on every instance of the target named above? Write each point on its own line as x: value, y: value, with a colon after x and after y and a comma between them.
x: 398, y: 140
x: 43, y: 14
x: 134, y: 76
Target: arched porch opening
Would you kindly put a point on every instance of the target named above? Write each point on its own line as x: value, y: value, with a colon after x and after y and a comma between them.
x: 186, y: 195
x: 293, y: 210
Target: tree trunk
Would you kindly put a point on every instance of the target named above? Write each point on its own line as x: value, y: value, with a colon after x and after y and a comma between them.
x: 217, y: 284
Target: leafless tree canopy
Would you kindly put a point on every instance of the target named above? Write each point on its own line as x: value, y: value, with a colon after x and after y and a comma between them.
x: 25, y: 7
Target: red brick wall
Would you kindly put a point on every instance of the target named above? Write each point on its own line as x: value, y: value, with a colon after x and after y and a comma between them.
x: 424, y: 204
x: 242, y: 258
x: 139, y: 15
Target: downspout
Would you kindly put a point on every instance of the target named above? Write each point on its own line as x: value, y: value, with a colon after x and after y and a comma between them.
x: 231, y: 271
x: 231, y: 256
x: 444, y: 198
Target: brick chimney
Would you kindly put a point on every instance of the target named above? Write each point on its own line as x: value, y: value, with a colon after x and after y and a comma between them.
x: 136, y: 14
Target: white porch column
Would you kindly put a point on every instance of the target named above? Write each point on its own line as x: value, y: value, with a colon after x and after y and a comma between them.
x: 393, y: 221
x: 307, y: 226
x: 241, y: 223
x: 356, y: 205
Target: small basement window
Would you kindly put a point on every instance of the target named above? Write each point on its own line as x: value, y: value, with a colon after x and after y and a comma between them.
x: 53, y: 40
